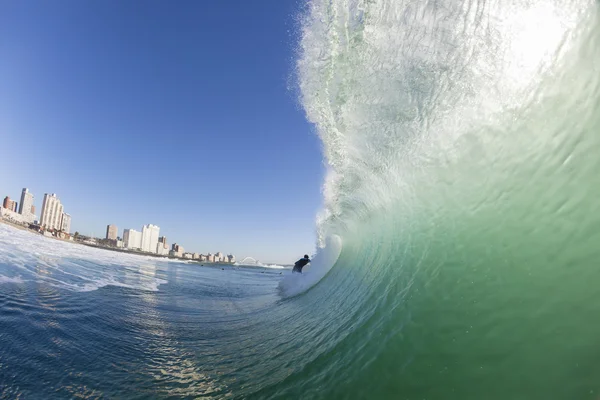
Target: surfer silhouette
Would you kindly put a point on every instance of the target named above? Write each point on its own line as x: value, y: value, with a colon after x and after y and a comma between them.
x: 300, y: 264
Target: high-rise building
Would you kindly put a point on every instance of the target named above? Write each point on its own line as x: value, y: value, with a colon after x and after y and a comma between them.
x: 65, y: 225
x: 26, y: 207
x: 111, y: 232
x: 163, y: 240
x: 52, y: 211
x: 150, y: 238
x: 219, y: 257
x: 162, y: 248
x: 10, y: 204
x: 132, y: 239
x: 176, y: 250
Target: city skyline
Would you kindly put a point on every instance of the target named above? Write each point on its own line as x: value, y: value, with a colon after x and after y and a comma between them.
x: 55, y: 222
x: 54, y: 218
x: 210, y: 145
x: 148, y: 240
x: 23, y: 211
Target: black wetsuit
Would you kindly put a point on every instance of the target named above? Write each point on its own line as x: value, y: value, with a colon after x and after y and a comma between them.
x: 300, y: 264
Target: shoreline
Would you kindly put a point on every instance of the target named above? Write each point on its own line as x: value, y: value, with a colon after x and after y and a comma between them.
x: 125, y: 251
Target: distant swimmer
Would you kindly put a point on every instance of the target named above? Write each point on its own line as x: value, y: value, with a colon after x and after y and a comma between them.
x: 301, y: 263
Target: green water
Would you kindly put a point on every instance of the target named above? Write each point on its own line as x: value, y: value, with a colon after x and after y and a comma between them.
x: 463, y: 140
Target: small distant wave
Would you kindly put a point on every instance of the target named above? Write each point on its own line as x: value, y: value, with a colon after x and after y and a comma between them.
x: 274, y: 266
x: 259, y: 264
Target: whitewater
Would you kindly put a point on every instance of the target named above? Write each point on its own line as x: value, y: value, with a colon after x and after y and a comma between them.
x: 457, y: 253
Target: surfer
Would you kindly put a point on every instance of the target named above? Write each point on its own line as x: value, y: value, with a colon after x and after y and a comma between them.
x: 301, y: 263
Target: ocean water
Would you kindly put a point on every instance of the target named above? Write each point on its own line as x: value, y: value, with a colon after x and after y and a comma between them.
x: 459, y: 242
x: 80, y: 322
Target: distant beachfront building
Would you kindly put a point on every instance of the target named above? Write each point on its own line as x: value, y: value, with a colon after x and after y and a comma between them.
x: 163, y: 240
x: 150, y: 238
x: 176, y: 250
x: 210, y: 257
x: 161, y: 251
x: 9, y: 204
x: 219, y: 257
x: 11, y: 216
x: 162, y: 248
x: 196, y: 256
x: 66, y: 223
x: 111, y: 232
x: 132, y: 239
x: 188, y: 255
x: 52, y: 211
x: 231, y: 258
x: 26, y: 209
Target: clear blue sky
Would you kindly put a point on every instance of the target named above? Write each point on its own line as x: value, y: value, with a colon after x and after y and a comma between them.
x: 178, y: 114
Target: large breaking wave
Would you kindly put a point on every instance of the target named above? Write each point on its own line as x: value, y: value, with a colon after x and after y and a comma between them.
x: 461, y: 141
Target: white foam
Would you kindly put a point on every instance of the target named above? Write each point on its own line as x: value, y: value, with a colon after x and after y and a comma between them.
x: 294, y: 284
x: 259, y: 264
x: 7, y: 279
x: 273, y: 266
x: 73, y: 266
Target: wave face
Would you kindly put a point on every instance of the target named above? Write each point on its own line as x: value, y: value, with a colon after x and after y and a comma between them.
x: 462, y: 140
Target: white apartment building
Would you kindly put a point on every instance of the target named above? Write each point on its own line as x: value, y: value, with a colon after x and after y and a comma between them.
x: 26, y: 206
x: 132, y: 239
x: 150, y: 238
x: 161, y: 250
x: 66, y: 223
x: 52, y: 211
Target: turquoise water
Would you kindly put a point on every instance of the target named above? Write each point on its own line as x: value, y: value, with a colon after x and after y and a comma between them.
x: 458, y: 242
